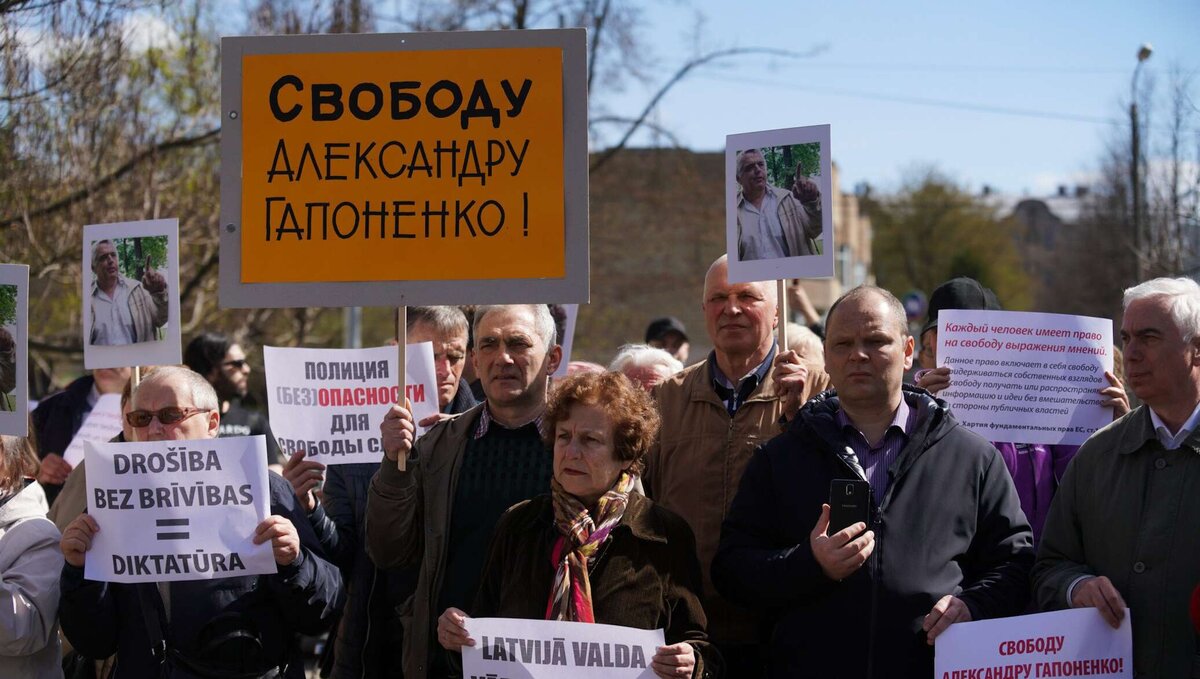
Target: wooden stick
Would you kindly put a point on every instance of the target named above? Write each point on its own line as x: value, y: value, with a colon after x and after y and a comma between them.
x: 781, y: 293
x: 402, y: 347
x: 136, y: 377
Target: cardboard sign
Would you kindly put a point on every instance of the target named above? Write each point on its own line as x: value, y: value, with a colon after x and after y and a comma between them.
x: 1072, y: 643
x: 177, y: 510
x: 349, y: 154
x: 549, y: 649
x: 100, y: 425
x: 1026, y: 377
x: 330, y: 402
x: 131, y: 294
x: 14, y: 349
x: 779, y: 204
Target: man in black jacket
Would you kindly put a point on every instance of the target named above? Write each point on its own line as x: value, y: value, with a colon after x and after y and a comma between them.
x: 947, y: 541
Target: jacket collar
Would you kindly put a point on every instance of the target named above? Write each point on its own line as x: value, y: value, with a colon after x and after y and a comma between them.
x: 1137, y: 429
x: 28, y: 503
x: 698, y: 386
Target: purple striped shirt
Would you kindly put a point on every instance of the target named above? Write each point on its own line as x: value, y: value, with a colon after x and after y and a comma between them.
x: 877, y: 459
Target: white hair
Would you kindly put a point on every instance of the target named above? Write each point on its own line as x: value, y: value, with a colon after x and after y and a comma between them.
x: 806, y: 342
x: 204, y: 396
x: 643, y: 356
x: 543, y: 321
x: 1183, y: 301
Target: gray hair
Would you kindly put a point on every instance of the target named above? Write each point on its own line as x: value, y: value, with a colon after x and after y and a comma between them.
x: 445, y: 320
x: 804, y: 341
x: 894, y: 305
x: 543, y: 321
x: 204, y: 396
x: 96, y: 246
x: 643, y: 356
x: 1183, y: 301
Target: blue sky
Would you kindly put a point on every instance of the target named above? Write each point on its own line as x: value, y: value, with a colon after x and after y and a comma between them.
x: 1070, y: 60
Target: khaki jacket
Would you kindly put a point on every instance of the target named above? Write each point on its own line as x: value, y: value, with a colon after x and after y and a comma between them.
x: 696, y: 465
x: 149, y: 311
x: 408, y: 522
x: 801, y: 223
x: 1129, y: 509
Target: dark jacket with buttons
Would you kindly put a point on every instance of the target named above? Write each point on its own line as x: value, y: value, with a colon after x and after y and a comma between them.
x: 1128, y: 509
x: 646, y: 576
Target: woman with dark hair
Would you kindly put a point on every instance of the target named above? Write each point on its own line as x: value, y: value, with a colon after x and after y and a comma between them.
x: 591, y: 550
x: 30, y: 563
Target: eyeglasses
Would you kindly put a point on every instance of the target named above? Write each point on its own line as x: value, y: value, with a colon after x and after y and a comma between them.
x: 168, y: 415
x: 236, y: 365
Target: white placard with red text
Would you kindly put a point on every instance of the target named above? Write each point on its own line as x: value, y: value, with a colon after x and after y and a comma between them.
x: 1071, y: 643
x: 330, y: 402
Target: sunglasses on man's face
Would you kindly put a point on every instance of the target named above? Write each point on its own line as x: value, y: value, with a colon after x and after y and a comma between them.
x: 236, y: 365
x: 168, y: 415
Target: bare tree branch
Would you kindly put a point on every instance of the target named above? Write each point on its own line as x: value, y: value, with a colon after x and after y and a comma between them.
x: 680, y: 75
x: 72, y: 198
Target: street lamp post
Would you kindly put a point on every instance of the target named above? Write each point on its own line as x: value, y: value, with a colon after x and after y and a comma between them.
x: 1135, y: 162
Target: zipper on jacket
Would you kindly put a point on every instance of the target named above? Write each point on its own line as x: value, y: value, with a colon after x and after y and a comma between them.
x: 872, y: 572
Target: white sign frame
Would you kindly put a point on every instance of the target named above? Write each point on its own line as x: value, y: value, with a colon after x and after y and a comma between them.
x: 166, y: 351
x: 16, y: 421
x: 810, y: 266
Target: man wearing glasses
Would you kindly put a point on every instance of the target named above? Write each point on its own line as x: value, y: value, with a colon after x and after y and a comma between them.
x: 238, y: 626
x: 223, y: 363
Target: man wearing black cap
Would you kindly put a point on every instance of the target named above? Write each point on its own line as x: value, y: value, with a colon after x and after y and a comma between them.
x: 667, y: 333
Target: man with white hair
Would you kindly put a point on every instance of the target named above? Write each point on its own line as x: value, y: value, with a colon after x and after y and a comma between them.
x: 439, y: 511
x: 235, y: 626
x: 714, y: 414
x: 644, y: 364
x: 1122, y: 529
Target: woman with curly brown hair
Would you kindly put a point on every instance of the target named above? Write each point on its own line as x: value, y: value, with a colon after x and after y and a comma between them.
x: 30, y: 563
x: 591, y: 550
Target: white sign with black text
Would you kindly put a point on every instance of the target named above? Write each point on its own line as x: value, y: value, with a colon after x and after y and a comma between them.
x: 177, y: 510
x: 549, y: 649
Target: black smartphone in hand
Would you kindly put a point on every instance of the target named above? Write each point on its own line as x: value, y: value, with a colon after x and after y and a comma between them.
x: 849, y: 503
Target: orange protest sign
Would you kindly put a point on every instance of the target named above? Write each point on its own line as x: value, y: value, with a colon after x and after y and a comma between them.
x: 406, y: 165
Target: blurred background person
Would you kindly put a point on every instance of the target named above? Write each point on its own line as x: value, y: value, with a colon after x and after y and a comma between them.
x: 30, y: 562
x: 544, y: 559
x: 58, y: 417
x: 646, y: 365
x: 223, y: 363
x: 669, y: 334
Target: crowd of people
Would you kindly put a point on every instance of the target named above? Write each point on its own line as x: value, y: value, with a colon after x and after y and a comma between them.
x: 650, y: 494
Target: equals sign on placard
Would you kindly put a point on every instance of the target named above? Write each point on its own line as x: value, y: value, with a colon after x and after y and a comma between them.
x: 174, y: 535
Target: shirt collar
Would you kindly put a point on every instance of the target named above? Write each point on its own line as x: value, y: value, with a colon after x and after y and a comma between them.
x: 485, y: 422
x: 901, y: 421
x: 1172, y: 441
x: 758, y: 374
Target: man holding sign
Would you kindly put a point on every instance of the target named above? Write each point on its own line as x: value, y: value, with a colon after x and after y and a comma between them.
x: 440, y: 508
x: 936, y: 537
x: 124, y: 311
x: 209, y: 627
x: 1122, y: 528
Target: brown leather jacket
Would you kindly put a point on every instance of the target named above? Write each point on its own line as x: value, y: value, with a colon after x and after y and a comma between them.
x: 695, y: 467
x: 408, y: 521
x: 646, y: 576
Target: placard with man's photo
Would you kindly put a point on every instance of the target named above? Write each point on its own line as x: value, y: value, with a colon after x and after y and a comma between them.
x: 131, y: 294
x: 14, y: 349
x: 779, y: 204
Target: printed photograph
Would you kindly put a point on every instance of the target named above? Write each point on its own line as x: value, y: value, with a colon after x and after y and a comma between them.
x: 129, y: 299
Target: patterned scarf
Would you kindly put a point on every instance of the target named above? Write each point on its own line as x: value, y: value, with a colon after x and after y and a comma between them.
x: 579, y: 542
